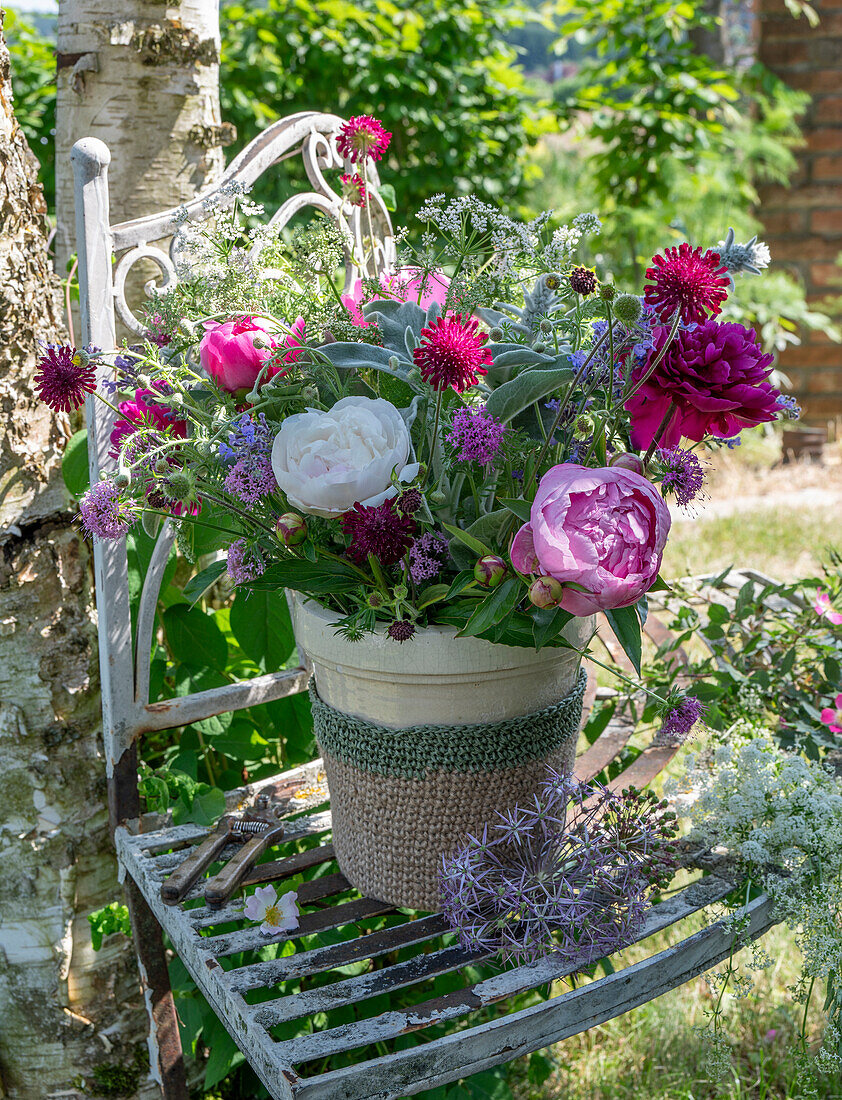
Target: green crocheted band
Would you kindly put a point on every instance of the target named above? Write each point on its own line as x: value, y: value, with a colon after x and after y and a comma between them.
x: 417, y: 750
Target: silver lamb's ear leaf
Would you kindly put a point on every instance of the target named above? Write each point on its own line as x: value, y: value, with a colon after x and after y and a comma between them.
x: 150, y: 523
x: 411, y: 341
x: 410, y: 413
x: 433, y: 313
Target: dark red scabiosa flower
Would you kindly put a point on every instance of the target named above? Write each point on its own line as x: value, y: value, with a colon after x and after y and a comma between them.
x: 362, y: 136
x: 401, y: 630
x: 381, y: 531
x: 583, y: 281
x: 716, y: 377
x: 65, y: 377
x: 353, y: 189
x: 689, y: 280
x: 410, y: 501
x: 452, y: 353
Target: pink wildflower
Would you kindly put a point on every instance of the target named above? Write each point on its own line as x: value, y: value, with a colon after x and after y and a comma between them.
x: 832, y: 716
x: 823, y: 609
x: 362, y: 136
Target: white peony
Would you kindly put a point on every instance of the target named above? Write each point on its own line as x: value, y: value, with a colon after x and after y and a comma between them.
x: 326, y: 462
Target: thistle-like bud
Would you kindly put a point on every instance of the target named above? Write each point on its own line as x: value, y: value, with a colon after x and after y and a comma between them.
x: 122, y: 480
x: 310, y: 393
x: 259, y: 344
x: 490, y: 571
x: 546, y: 592
x: 291, y: 529
x: 545, y: 325
x: 162, y: 466
x: 539, y: 346
x: 627, y: 461
x: 375, y: 600
x: 552, y: 281
x: 394, y: 362
x: 400, y: 591
x: 180, y: 486
x: 627, y: 309
x: 496, y: 334
x: 437, y: 497
x: 607, y: 292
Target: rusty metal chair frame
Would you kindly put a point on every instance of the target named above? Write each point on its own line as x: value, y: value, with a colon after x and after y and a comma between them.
x: 256, y: 996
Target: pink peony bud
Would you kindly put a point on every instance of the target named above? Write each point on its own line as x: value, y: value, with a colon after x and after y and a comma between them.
x: 291, y: 529
x: 490, y: 571
x: 546, y: 592
x: 627, y: 461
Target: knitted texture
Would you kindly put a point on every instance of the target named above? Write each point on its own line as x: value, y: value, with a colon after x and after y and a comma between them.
x: 403, y: 799
x: 414, y: 752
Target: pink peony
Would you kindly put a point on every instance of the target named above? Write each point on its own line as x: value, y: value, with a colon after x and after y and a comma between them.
x: 228, y: 354
x: 603, y: 529
x: 823, y: 608
x: 404, y: 285
x: 832, y: 716
x: 715, y: 376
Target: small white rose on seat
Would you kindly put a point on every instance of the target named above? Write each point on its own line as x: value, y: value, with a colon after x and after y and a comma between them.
x: 326, y: 462
x: 278, y: 914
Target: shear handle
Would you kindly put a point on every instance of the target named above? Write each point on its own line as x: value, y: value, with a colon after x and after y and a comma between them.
x: 220, y: 888
x: 179, y: 882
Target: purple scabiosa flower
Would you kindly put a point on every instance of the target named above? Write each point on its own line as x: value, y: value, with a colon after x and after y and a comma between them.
x: 427, y: 555
x: 401, y: 630
x: 410, y: 501
x: 381, y: 531
x: 476, y: 435
x: 66, y: 375
x: 250, y: 479
x: 569, y: 874
x: 243, y: 565
x: 679, y: 718
x: 104, y: 513
x: 683, y: 474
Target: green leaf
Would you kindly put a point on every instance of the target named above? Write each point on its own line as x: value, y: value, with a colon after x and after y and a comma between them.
x: 387, y: 194
x: 260, y: 622
x: 320, y: 578
x: 74, y: 464
x: 462, y: 581
x: 194, y: 638
x: 472, y: 543
x: 548, y: 623
x: 540, y: 1069
x: 203, y: 808
x: 197, y: 586
x: 513, y: 397
x: 494, y: 608
x: 434, y: 594
x: 626, y: 626
x: 521, y: 508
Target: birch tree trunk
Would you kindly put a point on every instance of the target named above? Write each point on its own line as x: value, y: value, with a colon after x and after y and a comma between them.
x: 70, y: 1021
x: 143, y: 76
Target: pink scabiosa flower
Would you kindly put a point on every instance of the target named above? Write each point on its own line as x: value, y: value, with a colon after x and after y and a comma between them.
x: 688, y: 280
x: 362, y: 136
x: 832, y: 716
x: 353, y: 189
x: 716, y: 378
x: 65, y: 376
x: 143, y: 412
x: 104, y: 514
x: 824, y: 610
x: 381, y: 531
x: 476, y: 435
x: 452, y: 353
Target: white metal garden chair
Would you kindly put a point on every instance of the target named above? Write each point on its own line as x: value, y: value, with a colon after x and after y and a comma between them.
x: 464, y: 1040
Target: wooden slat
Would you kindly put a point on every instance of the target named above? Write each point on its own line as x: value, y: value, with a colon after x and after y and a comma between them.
x: 314, y: 890
x: 319, y: 959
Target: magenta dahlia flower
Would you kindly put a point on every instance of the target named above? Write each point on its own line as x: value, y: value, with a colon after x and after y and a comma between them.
x: 382, y: 531
x: 716, y: 377
x: 362, y: 136
x: 452, y: 353
x: 65, y: 377
x: 689, y: 280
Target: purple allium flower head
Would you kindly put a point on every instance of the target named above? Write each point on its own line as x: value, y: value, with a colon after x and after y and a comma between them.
x: 426, y: 556
x: 243, y: 565
x: 477, y: 436
x: 103, y: 512
x: 569, y: 874
x: 681, y: 715
x: 249, y: 479
x: 683, y: 474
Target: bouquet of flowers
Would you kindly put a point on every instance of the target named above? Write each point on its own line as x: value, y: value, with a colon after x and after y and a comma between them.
x: 482, y: 437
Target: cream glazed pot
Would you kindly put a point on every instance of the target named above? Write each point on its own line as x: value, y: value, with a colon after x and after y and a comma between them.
x: 425, y: 741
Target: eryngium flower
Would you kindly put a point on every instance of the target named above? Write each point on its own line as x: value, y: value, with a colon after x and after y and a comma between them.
x: 570, y: 874
x: 715, y: 375
x: 381, y: 531
x: 452, y: 353
x: 688, y: 280
x: 362, y: 136
x: 65, y: 377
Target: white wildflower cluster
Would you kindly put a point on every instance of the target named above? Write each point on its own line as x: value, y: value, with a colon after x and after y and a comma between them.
x: 461, y: 220
x: 565, y: 240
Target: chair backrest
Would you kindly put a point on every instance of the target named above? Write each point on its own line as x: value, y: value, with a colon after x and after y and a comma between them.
x: 106, y: 255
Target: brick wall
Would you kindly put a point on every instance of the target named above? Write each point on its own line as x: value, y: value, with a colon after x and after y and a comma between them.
x: 803, y: 223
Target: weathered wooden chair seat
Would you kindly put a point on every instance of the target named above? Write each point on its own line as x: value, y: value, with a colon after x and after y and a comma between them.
x: 262, y: 1001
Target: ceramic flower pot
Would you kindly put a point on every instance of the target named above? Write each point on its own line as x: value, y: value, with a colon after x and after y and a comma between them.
x: 423, y: 741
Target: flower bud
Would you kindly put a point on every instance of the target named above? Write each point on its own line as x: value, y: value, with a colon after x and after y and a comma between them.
x: 627, y: 461
x: 375, y: 600
x: 310, y: 393
x: 607, y: 292
x: 496, y: 334
x: 437, y: 497
x: 490, y: 570
x: 546, y: 592
x: 400, y: 591
x: 627, y: 309
x: 291, y: 529
x: 122, y: 480
x: 162, y: 466
x: 545, y: 326
x: 539, y: 346
x: 259, y: 344
x: 394, y: 362
x: 180, y: 486
x: 552, y: 281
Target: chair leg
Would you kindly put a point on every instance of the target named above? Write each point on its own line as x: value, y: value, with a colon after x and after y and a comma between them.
x: 165, y: 1040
